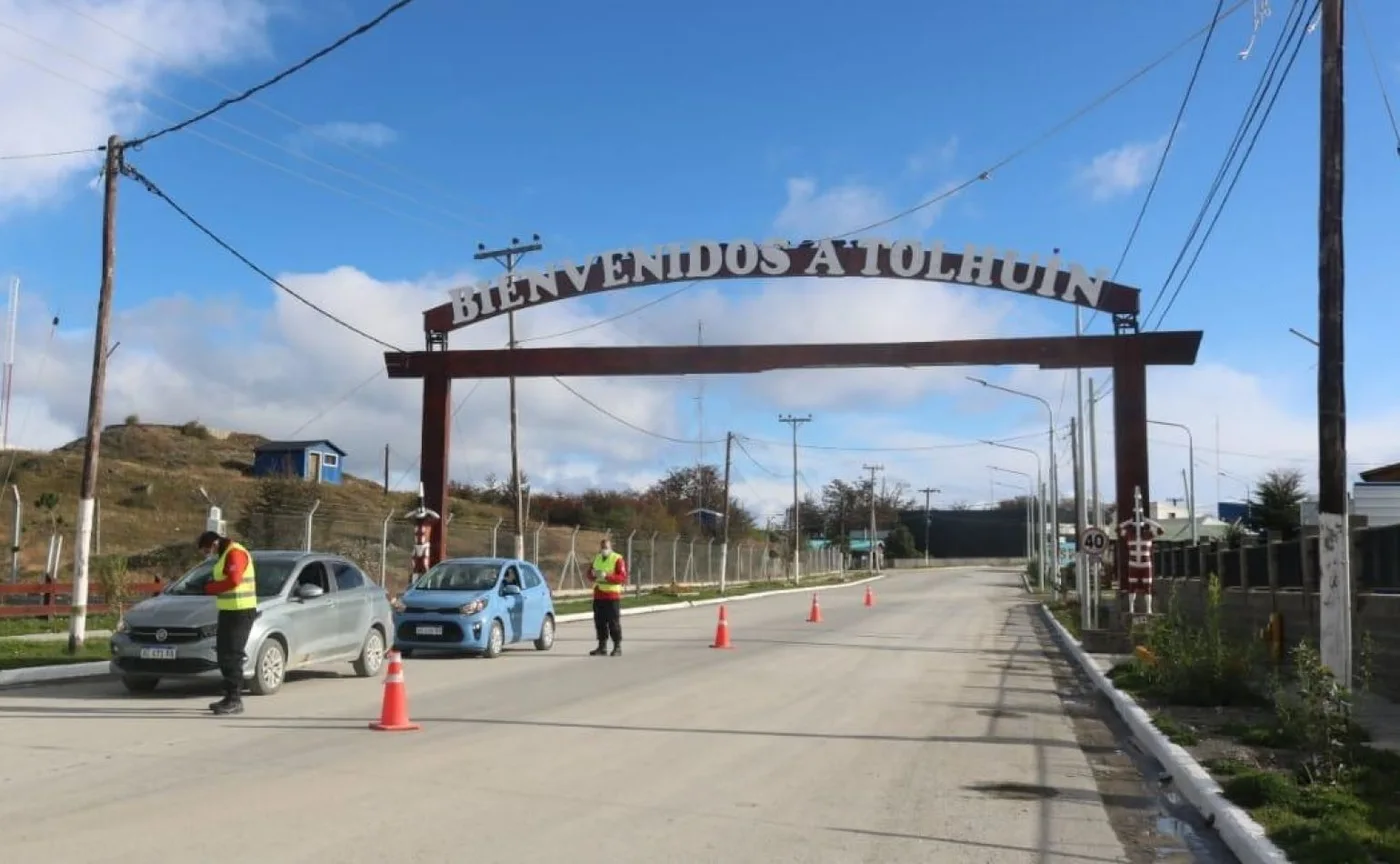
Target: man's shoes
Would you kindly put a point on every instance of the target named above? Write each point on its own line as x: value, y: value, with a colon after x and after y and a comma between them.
x: 600, y: 651
x: 617, y: 651
x: 224, y: 709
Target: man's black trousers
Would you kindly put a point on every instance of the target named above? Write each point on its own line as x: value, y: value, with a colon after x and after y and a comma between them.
x: 229, y: 645
x: 607, y: 620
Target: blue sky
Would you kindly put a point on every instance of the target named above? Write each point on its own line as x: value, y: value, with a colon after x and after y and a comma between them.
x: 643, y: 124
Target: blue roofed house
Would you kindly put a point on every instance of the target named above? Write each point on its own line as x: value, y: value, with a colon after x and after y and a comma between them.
x: 859, y: 546
x: 316, y: 461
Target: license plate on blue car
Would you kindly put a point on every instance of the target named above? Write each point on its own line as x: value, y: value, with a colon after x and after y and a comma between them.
x: 429, y: 630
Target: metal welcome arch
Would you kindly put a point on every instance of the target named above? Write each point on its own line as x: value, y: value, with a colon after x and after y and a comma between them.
x: 1127, y: 352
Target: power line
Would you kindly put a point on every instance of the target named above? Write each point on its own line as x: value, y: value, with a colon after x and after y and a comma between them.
x: 455, y: 411
x: 1239, y: 171
x: 1376, y: 68
x: 318, y: 131
x: 280, y: 76
x: 337, y: 403
x: 238, y: 151
x: 59, y: 49
x: 984, y: 174
x: 19, y: 157
x: 739, y: 440
x: 628, y: 423
x: 155, y: 190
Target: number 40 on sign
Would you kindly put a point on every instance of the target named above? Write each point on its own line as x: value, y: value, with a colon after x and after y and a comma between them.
x: 1094, y: 541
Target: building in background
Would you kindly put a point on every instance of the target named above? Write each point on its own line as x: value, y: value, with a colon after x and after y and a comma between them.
x: 313, y: 461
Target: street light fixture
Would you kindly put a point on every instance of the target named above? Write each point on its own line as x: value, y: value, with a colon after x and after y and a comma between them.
x: 1054, y: 471
x: 1040, y: 505
x: 1191, y: 473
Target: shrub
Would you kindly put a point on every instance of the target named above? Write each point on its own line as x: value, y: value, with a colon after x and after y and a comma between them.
x: 132, y: 420
x: 195, y: 429
x: 1189, y: 663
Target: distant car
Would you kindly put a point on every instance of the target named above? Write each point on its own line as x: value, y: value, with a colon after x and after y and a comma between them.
x: 475, y: 606
x: 313, y: 609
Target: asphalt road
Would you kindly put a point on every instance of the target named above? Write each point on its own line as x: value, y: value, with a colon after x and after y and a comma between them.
x: 881, y: 735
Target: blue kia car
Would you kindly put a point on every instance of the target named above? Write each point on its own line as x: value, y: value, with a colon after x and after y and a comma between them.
x: 475, y: 606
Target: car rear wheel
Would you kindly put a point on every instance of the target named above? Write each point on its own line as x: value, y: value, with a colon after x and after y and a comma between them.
x: 546, y: 640
x: 495, y: 641
x: 270, y: 670
x: 371, y: 657
x: 139, y: 683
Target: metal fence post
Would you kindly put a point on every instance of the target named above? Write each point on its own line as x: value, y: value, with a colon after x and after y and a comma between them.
x: 495, y: 528
x: 310, y: 521
x: 651, y: 560
x: 637, y: 589
x: 16, y: 533
x: 710, y: 561
x: 384, y: 551
x: 675, y: 555
x: 538, y: 529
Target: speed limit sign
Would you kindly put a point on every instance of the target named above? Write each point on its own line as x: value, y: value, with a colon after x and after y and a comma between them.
x: 1094, y: 541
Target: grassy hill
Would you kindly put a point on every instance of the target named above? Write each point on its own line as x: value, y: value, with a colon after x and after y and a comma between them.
x: 151, y: 507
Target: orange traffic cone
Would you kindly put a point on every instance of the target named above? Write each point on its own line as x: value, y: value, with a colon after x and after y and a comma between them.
x: 869, y: 596
x: 815, y: 616
x: 722, y: 630
x: 394, y: 715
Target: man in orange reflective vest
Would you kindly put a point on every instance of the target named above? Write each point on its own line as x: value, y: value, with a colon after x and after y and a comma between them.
x: 234, y: 585
x: 608, y: 577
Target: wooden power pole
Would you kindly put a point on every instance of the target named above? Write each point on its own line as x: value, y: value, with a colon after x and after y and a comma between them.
x: 724, y: 517
x: 77, y: 621
x: 929, y: 492
x: 1334, y: 541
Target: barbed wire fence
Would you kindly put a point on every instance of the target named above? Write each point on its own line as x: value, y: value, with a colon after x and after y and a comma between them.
x: 159, y: 545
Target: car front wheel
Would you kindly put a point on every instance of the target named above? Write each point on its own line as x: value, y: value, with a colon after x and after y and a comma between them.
x: 495, y: 641
x: 270, y: 670
x: 546, y: 640
x: 371, y: 657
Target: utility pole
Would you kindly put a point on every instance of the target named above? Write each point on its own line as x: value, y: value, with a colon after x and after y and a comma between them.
x: 77, y: 621
x: 795, y: 422
x: 1081, y: 574
x: 1334, y: 541
x: 928, y: 519
x: 386, y: 469
x: 508, y: 258
x: 872, y: 469
x: 724, y: 520
x: 1094, y: 454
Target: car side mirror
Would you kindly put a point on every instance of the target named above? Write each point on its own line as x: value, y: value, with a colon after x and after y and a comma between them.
x: 307, y: 591
x: 510, y: 590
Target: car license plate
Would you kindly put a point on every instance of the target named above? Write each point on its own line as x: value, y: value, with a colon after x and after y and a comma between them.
x: 429, y: 630
x: 157, y: 653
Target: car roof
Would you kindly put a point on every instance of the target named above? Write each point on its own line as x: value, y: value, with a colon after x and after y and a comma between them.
x: 482, y: 559
x: 289, y: 554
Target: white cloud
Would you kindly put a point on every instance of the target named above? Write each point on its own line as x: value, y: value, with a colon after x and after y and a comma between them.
x: 58, y: 103
x: 1122, y: 170
x: 370, y: 134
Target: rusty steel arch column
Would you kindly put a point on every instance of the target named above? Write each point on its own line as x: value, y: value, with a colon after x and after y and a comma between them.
x: 436, y: 455
x: 1130, y: 460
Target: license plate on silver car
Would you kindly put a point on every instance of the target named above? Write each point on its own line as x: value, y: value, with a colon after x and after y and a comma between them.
x: 157, y: 653
x: 429, y: 630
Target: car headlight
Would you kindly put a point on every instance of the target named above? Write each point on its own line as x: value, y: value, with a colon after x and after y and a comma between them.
x: 122, y: 626
x: 208, y: 631
x: 396, y: 604
x: 474, y: 607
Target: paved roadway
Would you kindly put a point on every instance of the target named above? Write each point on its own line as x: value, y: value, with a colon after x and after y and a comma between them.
x: 868, y: 738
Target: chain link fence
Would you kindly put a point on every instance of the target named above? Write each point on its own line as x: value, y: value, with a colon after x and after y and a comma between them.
x: 158, y: 545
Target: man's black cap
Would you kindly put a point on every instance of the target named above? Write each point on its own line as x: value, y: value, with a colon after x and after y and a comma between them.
x: 207, y: 540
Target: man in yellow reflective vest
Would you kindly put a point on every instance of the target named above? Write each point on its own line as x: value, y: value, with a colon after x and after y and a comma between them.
x: 235, y: 588
x: 608, y: 577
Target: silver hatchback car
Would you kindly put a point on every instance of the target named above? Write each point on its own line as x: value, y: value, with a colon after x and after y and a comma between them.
x: 312, y: 609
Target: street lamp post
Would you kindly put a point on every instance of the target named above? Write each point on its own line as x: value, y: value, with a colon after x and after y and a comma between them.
x: 1190, y: 473
x: 1054, y: 469
x: 1039, y: 495
x: 1029, y: 495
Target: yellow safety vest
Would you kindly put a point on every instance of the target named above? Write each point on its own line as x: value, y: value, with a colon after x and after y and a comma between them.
x: 245, y: 596
x: 607, y: 564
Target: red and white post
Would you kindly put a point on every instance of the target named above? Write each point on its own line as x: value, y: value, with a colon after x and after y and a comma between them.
x: 1140, y: 532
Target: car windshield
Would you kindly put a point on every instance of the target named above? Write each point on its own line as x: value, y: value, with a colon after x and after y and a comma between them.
x: 271, y: 574
x: 458, y: 576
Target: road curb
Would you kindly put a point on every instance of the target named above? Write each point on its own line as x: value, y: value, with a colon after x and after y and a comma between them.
x: 48, y: 674
x: 1240, y: 833
x: 695, y: 604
